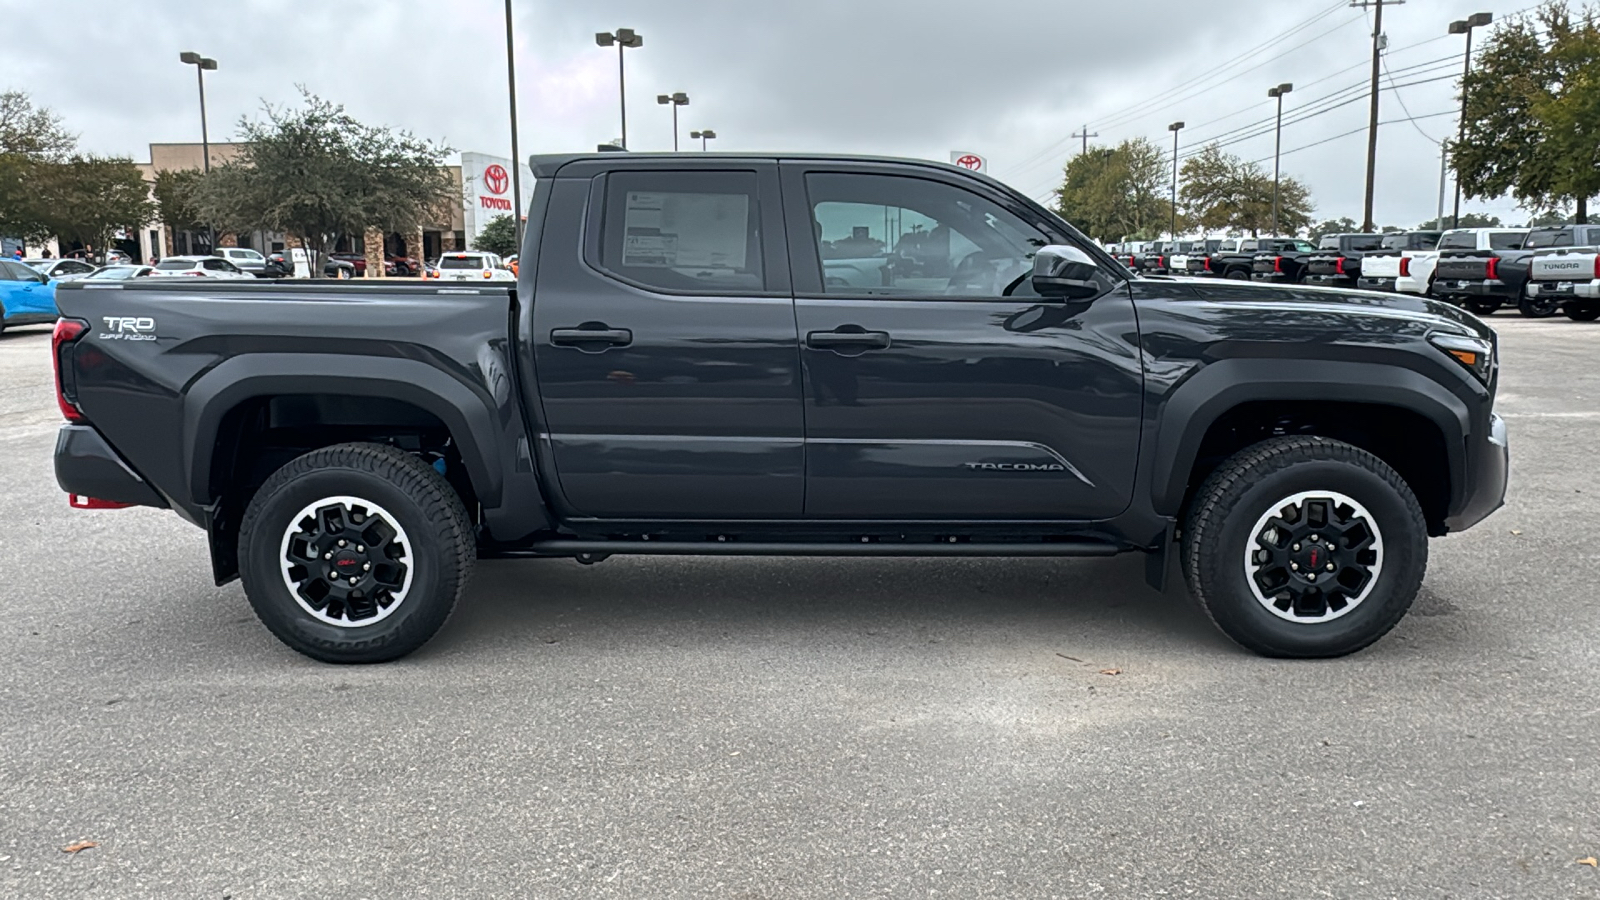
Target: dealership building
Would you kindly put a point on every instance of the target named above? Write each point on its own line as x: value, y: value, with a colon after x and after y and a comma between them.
x: 482, y: 180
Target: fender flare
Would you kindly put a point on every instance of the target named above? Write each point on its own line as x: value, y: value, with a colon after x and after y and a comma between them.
x: 467, y: 412
x: 1200, y: 401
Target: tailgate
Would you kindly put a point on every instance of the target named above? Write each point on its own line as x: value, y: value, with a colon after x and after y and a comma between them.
x: 1263, y: 264
x: 1324, y: 265
x: 1386, y: 266
x: 1462, y: 268
x: 1565, y: 267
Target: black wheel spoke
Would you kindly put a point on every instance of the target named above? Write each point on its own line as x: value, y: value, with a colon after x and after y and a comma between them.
x: 344, y: 561
x: 1314, y: 557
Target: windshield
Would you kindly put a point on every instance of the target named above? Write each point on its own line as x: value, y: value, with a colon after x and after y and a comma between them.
x: 1549, y: 237
x: 463, y: 261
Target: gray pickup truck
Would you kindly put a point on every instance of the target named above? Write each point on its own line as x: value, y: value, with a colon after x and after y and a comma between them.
x: 786, y: 355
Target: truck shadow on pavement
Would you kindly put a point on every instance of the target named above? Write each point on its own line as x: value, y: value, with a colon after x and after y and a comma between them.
x: 1103, y: 604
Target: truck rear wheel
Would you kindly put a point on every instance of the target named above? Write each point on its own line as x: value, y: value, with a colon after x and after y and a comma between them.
x: 355, y: 553
x: 1305, y: 547
x: 1482, y: 307
x: 1583, y: 312
x: 1539, y: 308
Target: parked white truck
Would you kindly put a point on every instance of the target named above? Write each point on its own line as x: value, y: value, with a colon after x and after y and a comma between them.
x: 1570, y: 272
x: 1410, y: 271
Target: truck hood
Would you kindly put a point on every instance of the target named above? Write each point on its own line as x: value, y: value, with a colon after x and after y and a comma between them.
x: 1374, y: 304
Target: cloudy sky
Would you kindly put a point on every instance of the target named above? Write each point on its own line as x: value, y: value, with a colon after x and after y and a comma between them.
x: 1005, y: 78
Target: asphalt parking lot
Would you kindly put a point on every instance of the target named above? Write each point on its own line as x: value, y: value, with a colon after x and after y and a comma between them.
x: 765, y: 728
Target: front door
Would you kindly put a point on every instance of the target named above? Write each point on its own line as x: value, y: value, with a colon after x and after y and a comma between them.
x: 664, y: 342
x: 23, y: 293
x: 938, y: 383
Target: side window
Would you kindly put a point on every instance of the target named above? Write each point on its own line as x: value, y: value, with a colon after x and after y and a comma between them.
x: 1499, y: 240
x: 8, y: 273
x: 684, y: 231
x: 904, y: 237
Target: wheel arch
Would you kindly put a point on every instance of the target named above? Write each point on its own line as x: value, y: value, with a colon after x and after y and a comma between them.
x: 1398, y: 414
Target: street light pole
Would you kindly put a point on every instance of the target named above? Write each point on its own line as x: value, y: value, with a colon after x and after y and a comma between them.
x: 623, y: 38
x: 703, y: 136
x: 1175, y: 127
x: 1465, y: 27
x: 1277, y: 147
x: 202, y: 65
x: 674, y: 100
x: 516, y: 155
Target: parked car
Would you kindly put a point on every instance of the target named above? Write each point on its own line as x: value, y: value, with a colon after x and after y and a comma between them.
x: 1568, y: 274
x: 1410, y: 270
x: 1199, y: 264
x: 201, y: 266
x: 472, y: 265
x: 1381, y: 268
x: 1281, y: 260
x: 1236, y: 259
x: 701, y: 389
x: 1337, y: 262
x: 1485, y: 280
x: 27, y: 296
x: 119, y: 273
x: 1153, y: 260
x: 245, y: 260
x: 60, y: 269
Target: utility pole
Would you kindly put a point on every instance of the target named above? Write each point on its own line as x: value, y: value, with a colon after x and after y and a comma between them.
x: 1175, y: 127
x: 516, y: 155
x: 1085, y: 135
x: 1465, y: 26
x: 1378, y: 44
x: 1277, y: 148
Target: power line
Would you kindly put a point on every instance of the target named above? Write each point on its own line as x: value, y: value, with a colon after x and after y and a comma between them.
x: 1356, y: 131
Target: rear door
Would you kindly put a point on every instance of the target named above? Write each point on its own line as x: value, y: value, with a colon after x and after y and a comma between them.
x: 938, y: 385
x: 664, y: 342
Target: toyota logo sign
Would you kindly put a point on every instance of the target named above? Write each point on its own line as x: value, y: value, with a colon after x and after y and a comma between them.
x: 496, y: 179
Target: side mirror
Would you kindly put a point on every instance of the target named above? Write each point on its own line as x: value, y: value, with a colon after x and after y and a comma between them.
x: 1065, y: 272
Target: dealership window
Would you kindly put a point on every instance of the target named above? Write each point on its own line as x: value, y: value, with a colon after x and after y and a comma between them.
x: 684, y: 231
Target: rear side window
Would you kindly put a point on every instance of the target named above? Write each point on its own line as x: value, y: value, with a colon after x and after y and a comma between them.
x: 1328, y: 242
x: 1365, y: 242
x: 461, y: 261
x: 174, y: 265
x: 10, y: 271
x: 683, y: 231
x: 1502, y: 240
x: 1465, y: 240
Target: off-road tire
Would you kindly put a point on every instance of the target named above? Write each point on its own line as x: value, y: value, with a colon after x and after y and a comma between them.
x: 1237, y: 274
x: 1245, y: 487
x: 441, y: 548
x: 1583, y: 312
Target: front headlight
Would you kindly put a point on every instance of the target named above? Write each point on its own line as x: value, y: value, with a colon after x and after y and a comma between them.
x: 1476, y: 354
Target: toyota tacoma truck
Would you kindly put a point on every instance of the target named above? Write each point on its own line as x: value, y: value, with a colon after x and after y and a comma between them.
x: 1568, y: 274
x: 682, y: 368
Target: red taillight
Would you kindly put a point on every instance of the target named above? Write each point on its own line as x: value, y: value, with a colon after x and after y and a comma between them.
x: 1208, y: 264
x: 1597, y: 267
x: 1405, y: 267
x: 1338, y: 265
x: 67, y: 331
x: 1492, y: 272
x: 1161, y: 262
x: 1277, y: 264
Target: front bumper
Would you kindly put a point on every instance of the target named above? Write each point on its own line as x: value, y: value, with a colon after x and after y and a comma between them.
x: 1488, y: 470
x: 1581, y: 290
x: 86, y: 466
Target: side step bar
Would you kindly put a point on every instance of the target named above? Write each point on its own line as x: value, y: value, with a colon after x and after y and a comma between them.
x: 580, y: 548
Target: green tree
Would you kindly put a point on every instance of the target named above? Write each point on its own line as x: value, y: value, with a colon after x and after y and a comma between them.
x: 174, y: 192
x: 1113, y: 193
x: 29, y: 138
x: 498, y: 237
x: 1342, y: 225
x: 1468, y: 220
x: 1223, y: 192
x: 1533, y: 111
x: 315, y: 172
x: 87, y: 198
x: 1553, y: 218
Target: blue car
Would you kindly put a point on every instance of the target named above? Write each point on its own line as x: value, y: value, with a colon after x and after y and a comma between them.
x: 26, y: 296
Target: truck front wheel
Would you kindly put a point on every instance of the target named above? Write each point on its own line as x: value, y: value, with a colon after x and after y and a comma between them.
x: 355, y: 553
x: 1305, y: 547
x: 1583, y: 312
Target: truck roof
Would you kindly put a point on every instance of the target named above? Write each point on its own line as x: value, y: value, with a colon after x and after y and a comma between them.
x: 545, y: 165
